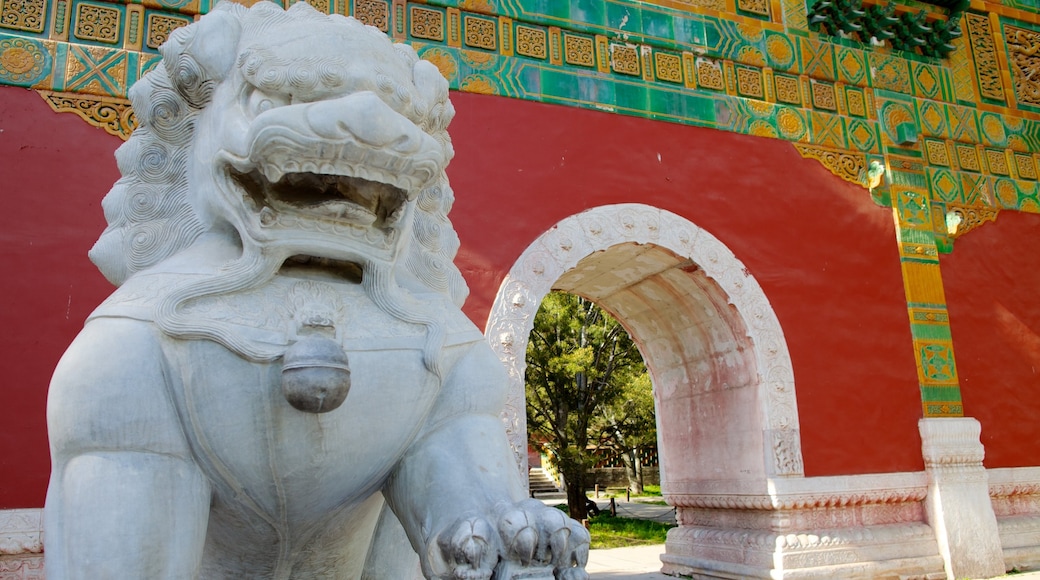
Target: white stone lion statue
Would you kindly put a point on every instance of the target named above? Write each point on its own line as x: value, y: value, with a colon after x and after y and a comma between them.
x: 285, y: 354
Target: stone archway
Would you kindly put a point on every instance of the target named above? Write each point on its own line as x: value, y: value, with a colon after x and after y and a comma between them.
x: 724, y: 386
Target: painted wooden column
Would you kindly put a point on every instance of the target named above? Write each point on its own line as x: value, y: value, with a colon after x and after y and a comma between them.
x: 922, y: 283
x: 958, y: 505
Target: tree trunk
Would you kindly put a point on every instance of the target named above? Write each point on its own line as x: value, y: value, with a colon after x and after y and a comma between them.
x: 576, y: 498
x: 631, y: 461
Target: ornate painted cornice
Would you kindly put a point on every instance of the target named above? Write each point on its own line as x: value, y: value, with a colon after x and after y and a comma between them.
x: 112, y: 114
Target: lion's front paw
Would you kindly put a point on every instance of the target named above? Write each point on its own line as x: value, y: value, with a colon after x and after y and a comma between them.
x: 467, y: 550
x: 530, y: 538
x: 534, y: 535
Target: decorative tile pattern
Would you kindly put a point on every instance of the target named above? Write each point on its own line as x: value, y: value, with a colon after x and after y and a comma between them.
x: 827, y: 130
x: 96, y: 71
x: 24, y: 61
x: 780, y: 52
x: 749, y: 82
x: 754, y: 6
x: 997, y: 162
x: 531, y: 42
x: 983, y: 48
x: 857, y: 102
x: 938, y: 154
x: 852, y: 65
x: 817, y: 59
x: 426, y: 23
x: 27, y: 15
x: 863, y: 136
x: 823, y: 96
x: 480, y: 32
x: 927, y: 82
x: 709, y: 74
x: 962, y: 123
x: 373, y: 13
x: 1022, y: 46
x: 578, y: 50
x: 976, y: 189
x: 787, y: 89
x: 791, y: 124
x: 1025, y: 166
x: 968, y: 158
x: 890, y: 72
x: 668, y: 67
x: 159, y: 28
x: 98, y: 23
x: 624, y: 59
x: 944, y: 185
x: 849, y: 166
x: 114, y: 115
x: 933, y: 119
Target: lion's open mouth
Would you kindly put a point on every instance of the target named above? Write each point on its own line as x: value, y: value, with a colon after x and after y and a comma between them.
x: 327, y: 196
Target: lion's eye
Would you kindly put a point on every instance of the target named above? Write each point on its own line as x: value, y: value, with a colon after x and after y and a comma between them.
x: 259, y: 102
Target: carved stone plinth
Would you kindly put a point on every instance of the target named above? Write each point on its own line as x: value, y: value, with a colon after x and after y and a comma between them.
x: 831, y: 527
x: 958, y: 504
x: 21, y: 544
x: 1015, y: 494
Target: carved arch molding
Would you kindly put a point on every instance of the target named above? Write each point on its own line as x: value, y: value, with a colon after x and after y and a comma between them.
x: 704, y: 326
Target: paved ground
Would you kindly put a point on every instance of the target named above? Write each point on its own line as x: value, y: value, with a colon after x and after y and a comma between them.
x: 644, y: 563
x: 640, y: 563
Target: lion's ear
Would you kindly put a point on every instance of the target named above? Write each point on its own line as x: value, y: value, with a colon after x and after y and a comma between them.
x: 199, y: 56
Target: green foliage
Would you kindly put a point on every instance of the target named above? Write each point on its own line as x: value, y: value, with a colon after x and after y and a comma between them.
x: 614, y: 532
x: 654, y: 490
x: 586, y: 386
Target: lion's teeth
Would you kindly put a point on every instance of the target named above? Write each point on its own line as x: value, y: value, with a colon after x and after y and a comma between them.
x: 272, y: 173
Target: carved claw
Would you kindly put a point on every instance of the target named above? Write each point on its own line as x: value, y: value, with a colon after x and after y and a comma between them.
x: 536, y: 535
x: 468, y: 551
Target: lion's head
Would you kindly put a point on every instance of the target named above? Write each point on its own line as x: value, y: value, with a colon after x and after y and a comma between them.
x: 286, y: 135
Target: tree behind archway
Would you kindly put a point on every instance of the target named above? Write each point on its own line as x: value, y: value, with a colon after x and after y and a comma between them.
x: 582, y: 373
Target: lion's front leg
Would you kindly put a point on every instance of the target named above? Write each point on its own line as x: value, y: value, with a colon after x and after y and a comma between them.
x: 125, y: 499
x: 126, y: 515
x: 460, y: 498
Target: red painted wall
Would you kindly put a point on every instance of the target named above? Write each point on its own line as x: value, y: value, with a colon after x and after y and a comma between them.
x: 991, y: 280
x: 54, y: 170
x: 824, y: 254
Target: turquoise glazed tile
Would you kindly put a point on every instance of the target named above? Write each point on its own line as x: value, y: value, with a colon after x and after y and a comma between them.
x: 595, y: 90
x: 665, y: 104
x: 699, y: 109
x: 691, y: 31
x: 626, y: 19
x: 559, y: 84
x: 631, y: 96
x: 658, y: 25
x: 588, y: 12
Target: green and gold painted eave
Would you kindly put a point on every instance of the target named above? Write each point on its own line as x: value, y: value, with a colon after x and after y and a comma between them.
x: 959, y: 138
x: 746, y: 66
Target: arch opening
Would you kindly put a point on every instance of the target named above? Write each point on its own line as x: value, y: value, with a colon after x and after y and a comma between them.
x: 724, y: 387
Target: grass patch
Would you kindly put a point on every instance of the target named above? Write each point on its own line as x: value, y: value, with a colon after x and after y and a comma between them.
x: 615, y: 532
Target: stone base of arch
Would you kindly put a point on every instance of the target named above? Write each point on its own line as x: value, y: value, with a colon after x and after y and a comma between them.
x: 869, y: 526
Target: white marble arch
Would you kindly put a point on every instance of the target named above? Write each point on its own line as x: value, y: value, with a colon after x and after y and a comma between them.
x: 724, y: 384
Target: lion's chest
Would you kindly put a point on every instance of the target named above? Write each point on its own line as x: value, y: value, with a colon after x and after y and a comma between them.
x: 263, y: 452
